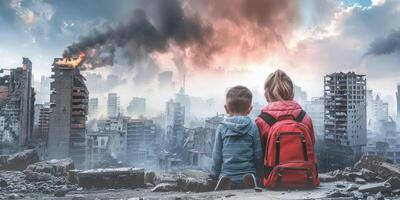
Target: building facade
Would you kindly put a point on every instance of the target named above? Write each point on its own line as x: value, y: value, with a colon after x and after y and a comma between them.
x: 141, y: 142
x: 93, y: 108
x: 316, y: 110
x: 345, y: 114
x: 17, y: 99
x: 113, y: 105
x: 69, y: 107
x: 174, y: 125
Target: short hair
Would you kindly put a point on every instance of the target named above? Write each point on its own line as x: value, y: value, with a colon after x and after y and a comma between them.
x: 238, y: 99
x: 278, y: 87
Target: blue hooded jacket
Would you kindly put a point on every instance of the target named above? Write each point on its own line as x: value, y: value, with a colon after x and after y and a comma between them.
x: 237, y: 149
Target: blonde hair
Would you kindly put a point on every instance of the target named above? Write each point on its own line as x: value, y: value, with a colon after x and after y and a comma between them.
x: 278, y: 87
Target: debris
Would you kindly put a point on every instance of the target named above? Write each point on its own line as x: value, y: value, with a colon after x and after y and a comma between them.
x: 367, y: 174
x: 54, y: 167
x: 351, y: 187
x: 394, y: 182
x: 337, y: 193
x: 360, y: 180
x: 325, y: 177
x: 165, y: 187
x: 111, y: 178
x: 61, y: 192
x: 19, y: 161
x: 195, y: 181
x: 149, y: 177
x: 379, y: 196
x: 375, y: 187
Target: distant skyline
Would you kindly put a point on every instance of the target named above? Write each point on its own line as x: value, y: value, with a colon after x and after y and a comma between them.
x: 217, y: 45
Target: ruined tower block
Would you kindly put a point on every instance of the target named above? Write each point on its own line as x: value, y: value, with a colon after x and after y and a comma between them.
x: 345, y: 110
x: 69, y: 107
x: 17, y: 105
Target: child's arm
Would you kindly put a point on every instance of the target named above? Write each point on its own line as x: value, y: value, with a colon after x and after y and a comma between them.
x: 217, y: 155
x: 257, y: 152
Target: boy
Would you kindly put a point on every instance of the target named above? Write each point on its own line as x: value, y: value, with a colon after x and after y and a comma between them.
x: 237, y: 149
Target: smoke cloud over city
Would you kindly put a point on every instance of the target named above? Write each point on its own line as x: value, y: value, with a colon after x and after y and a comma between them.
x: 385, y: 45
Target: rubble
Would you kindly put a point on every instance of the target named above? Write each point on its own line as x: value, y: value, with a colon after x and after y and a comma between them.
x: 383, y: 167
x: 165, y: 187
x: 375, y: 187
x: 54, y: 167
x: 195, y: 181
x: 18, y: 161
x: 111, y: 178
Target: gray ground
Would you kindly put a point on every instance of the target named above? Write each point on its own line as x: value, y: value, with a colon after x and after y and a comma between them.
x: 232, y: 194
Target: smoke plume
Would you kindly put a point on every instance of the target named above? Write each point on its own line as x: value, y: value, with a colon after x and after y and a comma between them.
x: 388, y: 45
x: 200, y: 32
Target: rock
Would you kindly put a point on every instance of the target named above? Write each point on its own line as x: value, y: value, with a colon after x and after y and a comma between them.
x: 382, y: 166
x: 13, y: 196
x: 371, y: 198
x: 351, y: 187
x: 351, y: 176
x: 73, y: 175
x: 19, y: 161
x: 379, y: 196
x: 325, y: 177
x: 165, y: 187
x: 394, y: 182
x: 111, y: 178
x: 360, y: 180
x: 61, y: 192
x: 396, y: 192
x: 195, y: 181
x: 375, y: 187
x: 149, y: 177
x: 3, y: 183
x: 368, y: 175
x: 165, y: 178
x: 35, y: 176
x: 357, y: 195
x: 340, y: 185
x: 54, y: 167
x: 337, y: 193
x: 338, y: 174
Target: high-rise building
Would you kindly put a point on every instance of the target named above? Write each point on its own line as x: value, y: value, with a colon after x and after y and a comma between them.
x: 113, y: 105
x: 44, y: 93
x: 140, y: 145
x: 345, y: 111
x: 17, y: 105
x: 184, y: 100
x: 93, y: 107
x: 316, y: 110
x: 377, y: 112
x: 174, y: 122
x: 137, y: 106
x: 43, y: 126
x: 69, y: 106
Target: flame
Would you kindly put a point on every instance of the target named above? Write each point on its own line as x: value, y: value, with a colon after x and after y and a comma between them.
x: 72, y: 62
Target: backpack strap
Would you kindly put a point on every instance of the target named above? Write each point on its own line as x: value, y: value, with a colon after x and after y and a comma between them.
x: 268, y: 118
x: 301, y: 116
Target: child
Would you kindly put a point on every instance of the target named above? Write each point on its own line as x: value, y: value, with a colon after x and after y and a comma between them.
x: 237, y: 148
x: 279, y: 94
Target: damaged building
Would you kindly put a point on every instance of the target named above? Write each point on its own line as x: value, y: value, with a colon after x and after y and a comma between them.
x: 17, y: 99
x: 69, y: 107
x: 345, y: 118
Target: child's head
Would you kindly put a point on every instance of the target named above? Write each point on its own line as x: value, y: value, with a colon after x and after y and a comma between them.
x: 278, y: 87
x: 238, y: 101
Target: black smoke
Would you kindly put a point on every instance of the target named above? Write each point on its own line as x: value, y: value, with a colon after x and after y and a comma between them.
x: 385, y: 45
x: 138, y: 37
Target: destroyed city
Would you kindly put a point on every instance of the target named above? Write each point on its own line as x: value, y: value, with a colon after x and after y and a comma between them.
x: 200, y: 99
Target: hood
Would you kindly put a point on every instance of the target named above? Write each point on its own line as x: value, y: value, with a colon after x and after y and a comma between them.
x: 279, y: 108
x: 236, y: 125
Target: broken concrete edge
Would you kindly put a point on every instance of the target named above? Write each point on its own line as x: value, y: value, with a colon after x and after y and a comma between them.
x: 56, y: 167
x: 19, y: 161
x: 110, y: 178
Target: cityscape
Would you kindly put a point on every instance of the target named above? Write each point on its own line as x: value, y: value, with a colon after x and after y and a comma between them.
x: 126, y: 99
x: 349, y: 119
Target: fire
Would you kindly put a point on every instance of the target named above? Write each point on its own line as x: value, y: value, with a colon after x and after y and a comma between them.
x: 72, y: 62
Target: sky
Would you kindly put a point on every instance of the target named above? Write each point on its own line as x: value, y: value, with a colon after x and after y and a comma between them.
x: 213, y: 44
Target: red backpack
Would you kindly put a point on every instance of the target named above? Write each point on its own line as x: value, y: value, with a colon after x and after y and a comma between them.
x: 290, y: 161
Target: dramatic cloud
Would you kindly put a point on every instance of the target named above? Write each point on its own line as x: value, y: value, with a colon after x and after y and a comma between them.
x: 386, y: 45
